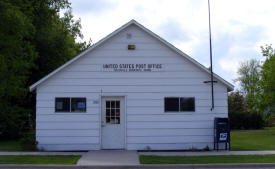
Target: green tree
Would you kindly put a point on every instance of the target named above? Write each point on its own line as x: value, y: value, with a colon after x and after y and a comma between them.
x: 249, y: 77
x: 267, y: 83
x: 55, y: 40
x: 17, y: 55
x: 236, y: 102
x: 35, y: 40
x: 238, y: 113
x: 236, y: 108
x: 55, y: 36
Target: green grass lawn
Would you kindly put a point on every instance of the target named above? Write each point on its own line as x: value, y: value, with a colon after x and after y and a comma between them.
x: 206, y: 159
x: 9, y: 145
x: 253, y: 139
x: 240, y: 140
x: 39, y: 159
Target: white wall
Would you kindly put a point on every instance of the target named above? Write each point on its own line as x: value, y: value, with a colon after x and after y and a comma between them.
x: 147, y: 124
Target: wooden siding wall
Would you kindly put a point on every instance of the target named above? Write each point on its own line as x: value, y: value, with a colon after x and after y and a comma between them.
x: 148, y: 127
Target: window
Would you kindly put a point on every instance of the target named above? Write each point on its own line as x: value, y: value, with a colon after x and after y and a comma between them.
x: 187, y: 104
x: 171, y: 104
x: 62, y: 104
x: 179, y: 104
x: 78, y: 105
x: 67, y: 104
x: 112, y: 110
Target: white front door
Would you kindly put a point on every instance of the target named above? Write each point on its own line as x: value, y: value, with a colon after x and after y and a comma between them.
x: 113, y: 123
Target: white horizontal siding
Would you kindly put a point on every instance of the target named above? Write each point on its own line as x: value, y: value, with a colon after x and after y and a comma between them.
x: 124, y: 46
x: 68, y: 147
x: 170, y: 139
x: 160, y: 110
x: 125, y: 88
x: 111, y: 75
x: 138, y: 103
x: 171, y: 125
x: 147, y: 123
x: 168, y: 132
x: 136, y: 60
x: 85, y: 67
x: 51, y: 96
x: 153, y: 96
x: 132, y: 95
x: 132, y: 82
x: 68, y: 140
x: 67, y: 117
x: 134, y: 32
x: 175, y: 117
x: 67, y: 125
x: 139, y: 39
x: 51, y: 110
x: 67, y: 133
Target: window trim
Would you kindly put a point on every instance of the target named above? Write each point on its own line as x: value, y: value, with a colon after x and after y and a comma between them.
x: 179, y: 105
x: 70, y: 103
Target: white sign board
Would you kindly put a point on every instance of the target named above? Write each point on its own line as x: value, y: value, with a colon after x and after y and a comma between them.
x: 132, y: 67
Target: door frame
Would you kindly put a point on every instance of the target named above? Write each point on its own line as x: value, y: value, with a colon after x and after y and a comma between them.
x: 125, y: 117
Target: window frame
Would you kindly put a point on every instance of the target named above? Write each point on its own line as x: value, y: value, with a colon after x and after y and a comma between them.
x: 179, y: 102
x: 70, y: 105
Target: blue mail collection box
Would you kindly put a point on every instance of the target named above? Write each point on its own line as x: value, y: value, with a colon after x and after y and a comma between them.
x: 221, y: 133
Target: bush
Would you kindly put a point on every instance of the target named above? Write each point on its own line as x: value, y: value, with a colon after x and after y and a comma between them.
x: 240, y: 116
x: 28, y: 142
x: 206, y: 148
x: 270, y: 120
x: 245, y: 120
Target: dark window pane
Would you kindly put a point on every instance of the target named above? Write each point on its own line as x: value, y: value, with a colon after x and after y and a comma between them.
x: 78, y: 105
x: 117, y: 104
x: 117, y: 112
x: 62, y: 104
x: 108, y: 104
x: 171, y: 104
x: 117, y: 120
x: 112, y: 120
x: 112, y: 104
x: 187, y: 104
x: 107, y: 119
x: 108, y: 112
x: 112, y: 112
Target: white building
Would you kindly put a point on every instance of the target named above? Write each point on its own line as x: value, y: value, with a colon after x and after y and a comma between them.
x: 131, y: 90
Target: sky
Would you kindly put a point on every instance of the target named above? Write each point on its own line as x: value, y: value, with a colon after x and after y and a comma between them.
x: 239, y: 27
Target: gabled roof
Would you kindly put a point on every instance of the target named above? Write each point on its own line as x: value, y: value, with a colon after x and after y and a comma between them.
x: 230, y: 87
